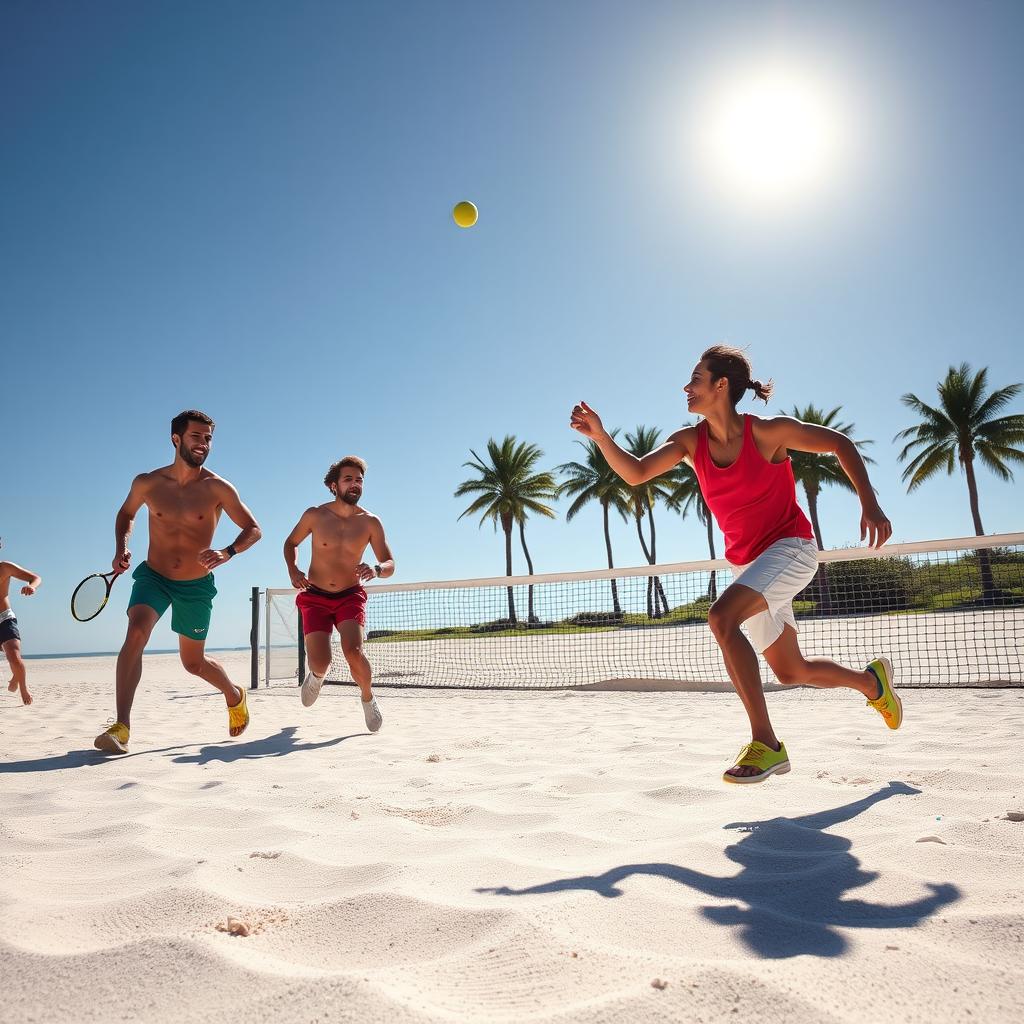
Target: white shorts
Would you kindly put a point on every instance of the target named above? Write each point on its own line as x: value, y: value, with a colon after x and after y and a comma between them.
x: 778, y: 574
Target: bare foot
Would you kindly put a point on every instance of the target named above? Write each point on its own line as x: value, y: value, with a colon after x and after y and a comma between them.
x: 26, y: 697
x: 12, y: 686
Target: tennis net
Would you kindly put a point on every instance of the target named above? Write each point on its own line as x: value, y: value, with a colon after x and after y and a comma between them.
x: 947, y: 613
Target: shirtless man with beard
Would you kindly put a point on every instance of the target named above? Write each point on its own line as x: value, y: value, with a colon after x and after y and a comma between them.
x: 185, y: 501
x: 332, y: 595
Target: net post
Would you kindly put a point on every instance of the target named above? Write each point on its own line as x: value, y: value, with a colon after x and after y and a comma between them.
x: 267, y: 639
x: 302, y: 651
x: 254, y: 641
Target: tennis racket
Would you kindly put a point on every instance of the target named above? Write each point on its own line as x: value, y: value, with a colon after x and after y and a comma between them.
x: 91, y: 595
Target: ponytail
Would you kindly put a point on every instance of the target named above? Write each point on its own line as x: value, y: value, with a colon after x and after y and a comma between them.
x: 731, y: 363
x: 762, y: 391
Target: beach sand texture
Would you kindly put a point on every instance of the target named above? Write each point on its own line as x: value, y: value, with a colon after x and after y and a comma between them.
x: 500, y: 856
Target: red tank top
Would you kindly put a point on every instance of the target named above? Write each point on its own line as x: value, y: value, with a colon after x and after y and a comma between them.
x: 753, y: 500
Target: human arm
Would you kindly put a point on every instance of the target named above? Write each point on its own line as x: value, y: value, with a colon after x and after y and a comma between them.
x: 14, y: 571
x: 125, y: 520
x: 634, y: 469
x: 381, y: 551
x: 302, y: 529
x: 240, y: 515
x: 786, y: 432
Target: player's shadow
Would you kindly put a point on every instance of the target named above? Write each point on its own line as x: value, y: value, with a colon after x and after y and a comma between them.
x: 790, y: 889
x: 89, y: 758
x: 278, y: 745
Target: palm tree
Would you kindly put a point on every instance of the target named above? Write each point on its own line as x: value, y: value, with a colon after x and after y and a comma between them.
x: 595, y: 480
x: 815, y: 470
x: 686, y: 495
x: 643, y: 498
x: 508, y: 489
x: 964, y: 427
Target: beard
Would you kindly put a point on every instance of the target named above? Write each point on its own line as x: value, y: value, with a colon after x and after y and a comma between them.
x: 351, y: 497
x: 190, y: 458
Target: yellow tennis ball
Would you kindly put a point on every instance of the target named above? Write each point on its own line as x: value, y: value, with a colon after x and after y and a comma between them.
x: 464, y: 214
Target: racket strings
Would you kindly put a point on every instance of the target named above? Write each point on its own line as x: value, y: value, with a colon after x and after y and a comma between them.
x: 89, y: 598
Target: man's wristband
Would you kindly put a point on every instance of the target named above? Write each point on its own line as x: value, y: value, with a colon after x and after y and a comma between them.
x: 231, y: 552
x: 378, y: 570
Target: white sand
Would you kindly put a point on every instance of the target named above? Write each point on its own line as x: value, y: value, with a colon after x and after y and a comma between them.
x: 506, y: 857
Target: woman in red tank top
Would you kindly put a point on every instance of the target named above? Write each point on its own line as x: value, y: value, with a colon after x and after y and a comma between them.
x: 743, y: 468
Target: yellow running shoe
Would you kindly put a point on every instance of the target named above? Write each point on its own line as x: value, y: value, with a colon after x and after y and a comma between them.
x: 760, y: 756
x: 114, y: 740
x: 238, y: 715
x: 889, y: 705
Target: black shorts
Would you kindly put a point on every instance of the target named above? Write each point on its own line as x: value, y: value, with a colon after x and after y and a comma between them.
x: 9, y: 630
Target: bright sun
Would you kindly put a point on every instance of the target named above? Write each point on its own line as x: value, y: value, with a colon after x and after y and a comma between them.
x: 771, y: 133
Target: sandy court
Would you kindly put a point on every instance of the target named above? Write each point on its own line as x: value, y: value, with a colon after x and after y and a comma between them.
x: 562, y: 856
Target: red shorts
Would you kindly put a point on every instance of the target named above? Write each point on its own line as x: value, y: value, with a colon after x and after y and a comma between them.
x: 322, y: 611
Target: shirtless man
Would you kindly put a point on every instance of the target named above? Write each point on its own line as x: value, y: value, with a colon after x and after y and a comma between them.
x: 10, y: 637
x: 185, y: 502
x: 332, y: 595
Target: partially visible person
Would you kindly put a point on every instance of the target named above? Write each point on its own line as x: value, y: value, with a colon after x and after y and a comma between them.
x: 10, y: 635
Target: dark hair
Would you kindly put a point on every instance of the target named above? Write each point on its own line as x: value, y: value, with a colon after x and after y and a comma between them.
x: 335, y: 471
x: 729, y: 362
x: 183, y: 419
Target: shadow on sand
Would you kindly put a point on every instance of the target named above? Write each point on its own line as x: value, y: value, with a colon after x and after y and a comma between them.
x: 88, y: 758
x: 790, y: 889
x: 278, y: 745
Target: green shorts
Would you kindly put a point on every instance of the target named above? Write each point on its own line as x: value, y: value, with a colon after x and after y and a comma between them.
x: 190, y: 601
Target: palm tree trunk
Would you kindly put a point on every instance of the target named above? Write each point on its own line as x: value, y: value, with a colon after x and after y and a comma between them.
x: 659, y: 590
x: 988, y: 589
x: 824, y: 594
x: 712, y: 579
x: 638, y: 517
x: 506, y: 525
x: 530, y: 617
x: 616, y: 607
x: 812, y: 508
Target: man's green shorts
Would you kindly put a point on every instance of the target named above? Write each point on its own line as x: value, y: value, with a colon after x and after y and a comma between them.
x: 190, y: 601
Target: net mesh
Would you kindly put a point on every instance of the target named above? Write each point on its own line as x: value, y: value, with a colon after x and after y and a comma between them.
x: 944, y: 614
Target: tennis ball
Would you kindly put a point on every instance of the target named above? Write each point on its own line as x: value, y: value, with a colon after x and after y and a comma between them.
x: 464, y: 214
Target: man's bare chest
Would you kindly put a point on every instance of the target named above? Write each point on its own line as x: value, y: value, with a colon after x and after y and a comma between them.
x: 332, y: 533
x: 181, y: 506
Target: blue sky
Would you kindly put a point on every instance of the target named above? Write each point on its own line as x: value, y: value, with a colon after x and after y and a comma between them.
x: 244, y: 207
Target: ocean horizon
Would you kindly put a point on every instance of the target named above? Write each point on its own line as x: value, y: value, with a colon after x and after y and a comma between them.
x: 104, y: 654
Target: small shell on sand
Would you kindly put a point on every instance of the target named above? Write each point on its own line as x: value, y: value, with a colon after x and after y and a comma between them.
x: 234, y: 926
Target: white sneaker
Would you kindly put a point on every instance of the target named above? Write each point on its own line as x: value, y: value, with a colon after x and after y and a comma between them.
x: 371, y: 713
x: 311, y: 689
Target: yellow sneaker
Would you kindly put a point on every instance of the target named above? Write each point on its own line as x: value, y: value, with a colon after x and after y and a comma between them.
x: 764, y: 759
x: 238, y: 715
x: 114, y: 740
x: 889, y: 705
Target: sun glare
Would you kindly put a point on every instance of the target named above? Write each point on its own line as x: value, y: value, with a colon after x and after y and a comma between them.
x: 770, y: 134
